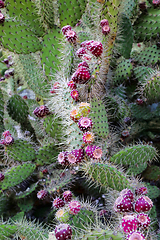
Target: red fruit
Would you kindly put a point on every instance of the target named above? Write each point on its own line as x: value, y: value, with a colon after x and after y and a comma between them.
x: 141, y: 191
x: 66, y: 28
x: 129, y: 223
x: 67, y: 195
x: 96, y: 48
x: 42, y: 194
x: 71, y: 36
x: 2, y: 18
x: 81, y: 76
x: 74, y: 207
x: 63, y: 232
x: 58, y: 203
x: 6, y: 133
x: 138, y: 45
x: 45, y: 171
x: 93, y: 151
x: 1, y: 4
x: 86, y: 44
x: 55, y: 87
x: 8, y: 140
x: 156, y: 2
x: 88, y: 137
x: 143, y: 220
x: 41, y: 111
x: 1, y: 177
x: 106, y: 30
x: 76, y: 156
x: 81, y: 51
x: 104, y: 22
x: 127, y: 193
x: 139, y: 102
x: 85, y: 124
x: 72, y: 85
x: 25, y: 97
x: 75, y: 94
x: 143, y: 204
x: 123, y: 204
x: 125, y: 134
x: 62, y: 158
x: 135, y: 236
x: 84, y: 64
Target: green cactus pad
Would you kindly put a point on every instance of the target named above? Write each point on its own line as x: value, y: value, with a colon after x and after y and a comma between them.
x: 71, y: 12
x: 152, y: 173
x: 34, y: 76
x: 135, y: 155
x: 141, y: 112
x: 16, y: 37
x: 28, y: 14
x: 1, y: 106
x: 99, y: 118
x: 134, y: 170
x: 17, y: 109
x: 153, y: 191
x: 74, y: 137
x: 16, y: 175
x: 21, y: 150
x: 150, y: 55
x: 124, y: 38
x: 51, y: 51
x: 102, y: 234
x: 47, y: 154
x: 25, y: 204
x: 53, y: 126
x: 106, y: 176
x: 147, y: 25
x: 47, y: 12
x: 7, y: 231
x: 128, y: 7
x: 27, y: 192
x: 142, y: 73
x: 123, y: 71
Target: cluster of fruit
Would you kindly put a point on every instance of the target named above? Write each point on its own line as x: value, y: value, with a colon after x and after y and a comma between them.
x: 135, y: 221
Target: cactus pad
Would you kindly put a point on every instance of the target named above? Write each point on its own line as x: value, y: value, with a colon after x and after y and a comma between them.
x: 47, y: 154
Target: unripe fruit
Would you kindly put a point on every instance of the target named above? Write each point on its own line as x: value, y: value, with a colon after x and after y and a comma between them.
x: 75, y: 115
x: 129, y: 223
x: 62, y: 215
x: 143, y: 204
x: 74, y: 207
x: 84, y: 108
x: 123, y: 204
x: 63, y: 232
x: 58, y: 203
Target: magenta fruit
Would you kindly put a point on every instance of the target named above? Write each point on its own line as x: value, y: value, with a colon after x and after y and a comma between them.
x: 1, y: 4
x: 129, y: 223
x: 96, y: 48
x: 143, y: 204
x: 139, y: 102
x: 67, y: 195
x: 42, y: 194
x: 143, y: 220
x: 156, y: 2
x: 84, y: 64
x: 135, y: 235
x: 74, y: 207
x: 81, y: 51
x: 58, y: 203
x: 123, y: 204
x: 66, y: 28
x: 41, y: 111
x: 6, y: 133
x: 72, y: 85
x: 8, y: 140
x: 81, y: 76
x: 55, y: 87
x: 85, y: 124
x: 62, y: 158
x: 86, y: 44
x: 141, y: 191
x: 88, y: 137
x: 63, y: 232
x: 75, y: 115
x: 71, y: 36
x: 2, y: 18
x: 127, y: 193
x: 93, y: 151
x: 104, y: 22
x: 75, y: 94
x: 106, y: 30
x: 2, y: 177
x: 76, y: 156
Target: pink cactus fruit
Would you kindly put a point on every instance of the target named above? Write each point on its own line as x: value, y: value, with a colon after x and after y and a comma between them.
x: 104, y: 22
x: 6, y: 133
x: 41, y: 111
x: 123, y: 204
x: 135, y: 236
x: 85, y: 124
x: 63, y: 158
x: 42, y: 194
x: 106, y: 30
x: 63, y: 232
x: 71, y: 36
x: 143, y: 204
x: 96, y: 48
x: 2, y: 18
x: 129, y: 223
x: 72, y: 85
x: 93, y: 151
x: 66, y: 28
x: 75, y: 115
x: 75, y: 95
x: 76, y: 156
x: 58, y: 203
x: 156, y: 2
x: 8, y: 140
x: 127, y: 193
x: 2, y: 177
x: 84, y: 108
x: 88, y: 137
x: 1, y: 4
x: 81, y: 75
x: 56, y: 86
x: 143, y: 220
x: 86, y: 44
x: 67, y: 196
x: 141, y: 191
x: 74, y: 207
x: 81, y: 51
x: 84, y: 64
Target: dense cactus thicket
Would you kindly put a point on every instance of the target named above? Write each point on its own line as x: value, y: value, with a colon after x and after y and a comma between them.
x: 79, y: 119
